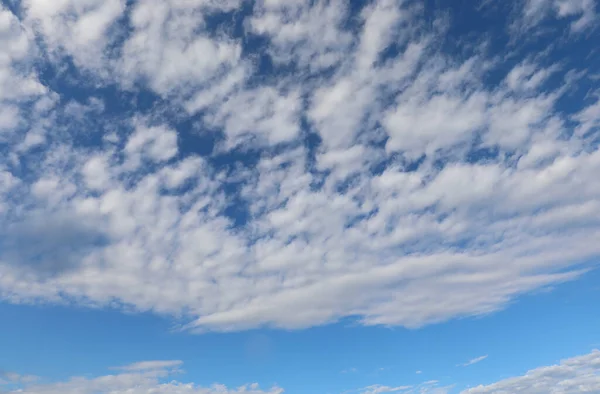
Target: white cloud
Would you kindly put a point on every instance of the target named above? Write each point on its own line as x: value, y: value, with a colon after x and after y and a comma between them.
x: 353, y: 226
x: 429, y: 387
x: 9, y: 117
x: 474, y: 361
x: 308, y: 34
x: 152, y: 365
x: 581, y: 12
x: 79, y: 28
x: 579, y: 374
x: 165, y: 51
x: 139, y: 378
x: 95, y: 173
x: 156, y: 143
x: 18, y: 82
x: 265, y: 112
x: 588, y: 119
x: 383, y: 389
x: 575, y: 375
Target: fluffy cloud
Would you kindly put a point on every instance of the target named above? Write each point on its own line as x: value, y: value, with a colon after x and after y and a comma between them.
x: 165, y: 51
x: 309, y: 35
x: 358, y: 168
x: 138, y: 378
x: 18, y: 82
x: 80, y: 29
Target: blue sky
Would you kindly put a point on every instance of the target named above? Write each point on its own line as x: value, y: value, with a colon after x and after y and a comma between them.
x: 268, y: 196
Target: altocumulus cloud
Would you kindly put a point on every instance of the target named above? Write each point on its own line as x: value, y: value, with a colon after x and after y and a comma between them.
x: 289, y: 164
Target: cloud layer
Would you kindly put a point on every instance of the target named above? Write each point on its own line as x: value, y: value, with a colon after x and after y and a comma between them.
x: 143, y: 377
x: 574, y: 375
x: 571, y: 376
x: 290, y: 163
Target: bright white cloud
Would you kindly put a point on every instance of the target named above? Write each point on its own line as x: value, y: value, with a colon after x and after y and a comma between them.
x: 309, y: 35
x: 18, y: 81
x: 79, y: 28
x: 155, y: 143
x: 433, y: 194
x: 165, y: 51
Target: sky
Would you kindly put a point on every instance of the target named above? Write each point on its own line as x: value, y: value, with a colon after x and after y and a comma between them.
x: 299, y: 196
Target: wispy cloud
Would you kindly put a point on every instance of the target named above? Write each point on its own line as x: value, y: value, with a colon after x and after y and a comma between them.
x: 473, y: 361
x: 151, y: 365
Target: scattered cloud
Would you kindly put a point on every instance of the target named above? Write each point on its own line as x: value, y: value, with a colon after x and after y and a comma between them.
x: 575, y: 375
x: 142, y: 377
x: 579, y: 374
x: 582, y: 13
x: 429, y: 387
x: 286, y: 165
x: 376, y: 389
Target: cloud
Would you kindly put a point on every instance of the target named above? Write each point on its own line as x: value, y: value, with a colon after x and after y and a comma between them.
x: 165, y: 51
x: 575, y: 375
x: 309, y: 35
x: 50, y: 245
x: 383, y: 389
x: 151, y: 365
x: 79, y: 30
x: 579, y: 374
x: 288, y: 164
x: 474, y: 361
x: 18, y: 82
x: 582, y: 13
x: 138, y: 378
x: 13, y: 378
x: 429, y: 387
